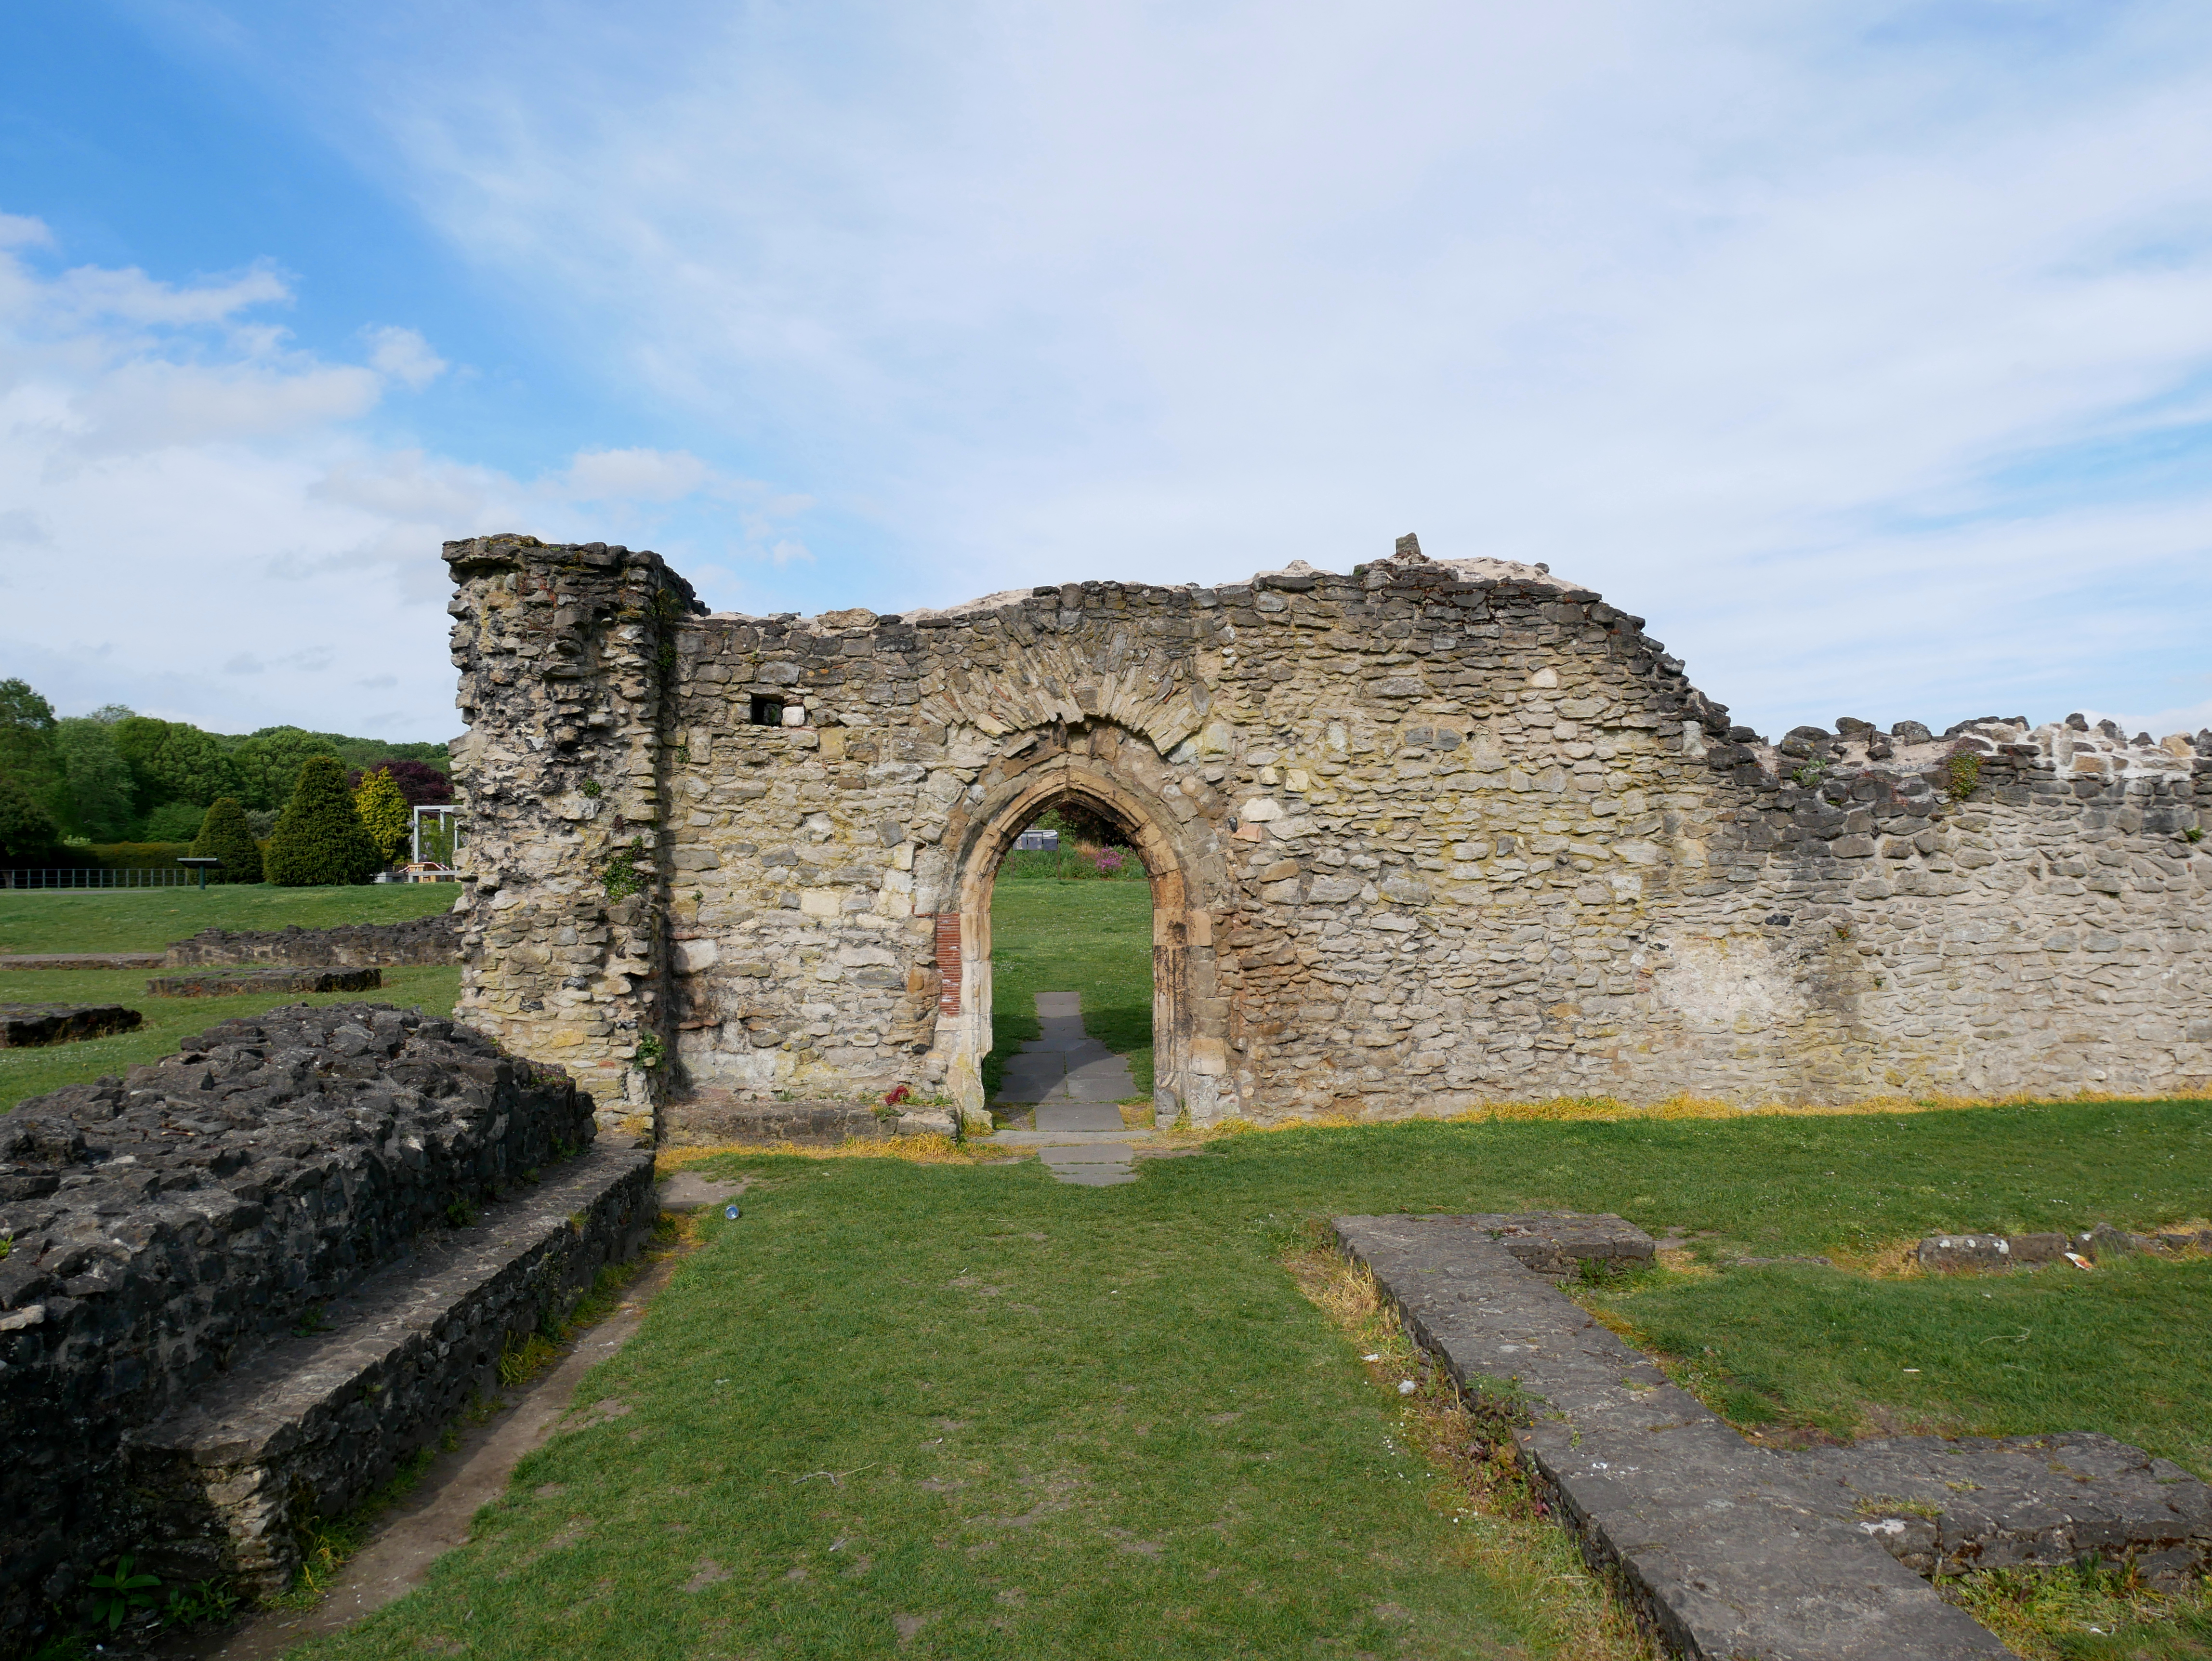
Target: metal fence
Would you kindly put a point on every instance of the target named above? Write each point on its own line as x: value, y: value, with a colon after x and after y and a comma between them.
x: 93, y: 876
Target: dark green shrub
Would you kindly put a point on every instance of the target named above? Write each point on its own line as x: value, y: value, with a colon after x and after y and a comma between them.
x: 226, y: 835
x: 320, y: 838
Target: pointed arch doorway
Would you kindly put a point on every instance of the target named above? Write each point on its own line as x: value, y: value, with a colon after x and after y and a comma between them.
x: 1185, y: 1066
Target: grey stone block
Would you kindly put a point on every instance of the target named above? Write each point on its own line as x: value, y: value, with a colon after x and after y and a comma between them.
x: 707, y: 1121
x: 1944, y: 1506
x: 1074, y: 1115
x: 1713, y: 1539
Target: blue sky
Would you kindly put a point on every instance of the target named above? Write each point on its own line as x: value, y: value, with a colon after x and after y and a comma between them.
x: 1865, y: 349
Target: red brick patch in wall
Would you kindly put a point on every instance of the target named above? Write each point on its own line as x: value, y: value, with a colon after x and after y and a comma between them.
x: 948, y: 963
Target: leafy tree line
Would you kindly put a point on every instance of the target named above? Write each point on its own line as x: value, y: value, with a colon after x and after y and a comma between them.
x: 114, y: 775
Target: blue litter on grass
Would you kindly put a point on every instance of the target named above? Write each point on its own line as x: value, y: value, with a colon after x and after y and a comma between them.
x: 730, y: 1212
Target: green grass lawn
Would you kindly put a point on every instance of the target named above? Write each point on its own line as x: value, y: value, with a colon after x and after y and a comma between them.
x: 25, y: 1073
x: 1095, y: 938
x: 958, y: 1410
x: 148, y: 919
x: 1785, y: 1349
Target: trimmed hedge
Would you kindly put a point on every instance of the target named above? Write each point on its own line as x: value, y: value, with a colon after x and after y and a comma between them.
x: 225, y: 835
x: 320, y: 838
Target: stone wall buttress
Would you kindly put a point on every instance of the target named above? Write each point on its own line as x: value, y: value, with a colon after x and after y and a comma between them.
x: 566, y: 653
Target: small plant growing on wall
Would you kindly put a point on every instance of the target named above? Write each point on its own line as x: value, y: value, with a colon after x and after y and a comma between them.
x: 1962, y: 774
x: 590, y: 787
x: 120, y: 1593
x: 621, y: 875
x: 651, y: 1052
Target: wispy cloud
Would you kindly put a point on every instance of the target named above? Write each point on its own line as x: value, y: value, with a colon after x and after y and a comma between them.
x: 1866, y: 349
x: 1783, y: 327
x: 203, y: 506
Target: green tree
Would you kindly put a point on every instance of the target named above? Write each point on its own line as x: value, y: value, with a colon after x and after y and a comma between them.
x: 26, y: 830
x: 268, y: 763
x: 383, y: 809
x: 320, y: 837
x: 174, y: 761
x: 27, y: 745
x: 99, y: 782
x: 173, y: 821
x: 225, y: 835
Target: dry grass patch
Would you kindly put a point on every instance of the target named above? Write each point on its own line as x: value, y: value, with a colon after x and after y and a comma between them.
x: 915, y: 1150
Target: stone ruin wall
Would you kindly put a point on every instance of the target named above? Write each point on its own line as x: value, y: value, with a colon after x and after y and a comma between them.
x: 1422, y: 835
x: 168, y: 1227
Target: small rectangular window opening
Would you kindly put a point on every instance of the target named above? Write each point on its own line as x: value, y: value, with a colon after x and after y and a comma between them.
x: 768, y: 712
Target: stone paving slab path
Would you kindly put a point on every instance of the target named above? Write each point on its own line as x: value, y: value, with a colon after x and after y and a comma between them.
x: 1075, y: 1081
x: 1090, y: 1165
x: 1716, y: 1541
x: 1064, y: 1065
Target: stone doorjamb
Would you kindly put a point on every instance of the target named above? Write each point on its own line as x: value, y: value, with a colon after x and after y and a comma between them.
x: 1182, y: 938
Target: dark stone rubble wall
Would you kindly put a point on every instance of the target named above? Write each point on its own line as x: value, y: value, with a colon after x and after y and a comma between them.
x: 163, y: 1225
x: 353, y: 945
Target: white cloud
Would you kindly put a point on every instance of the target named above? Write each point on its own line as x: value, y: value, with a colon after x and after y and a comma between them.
x: 1796, y: 330
x: 636, y: 475
x: 201, y: 527
x: 405, y: 356
x: 131, y: 296
x: 18, y: 232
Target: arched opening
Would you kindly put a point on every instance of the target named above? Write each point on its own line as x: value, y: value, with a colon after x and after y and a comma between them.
x: 987, y: 833
x: 1071, y: 927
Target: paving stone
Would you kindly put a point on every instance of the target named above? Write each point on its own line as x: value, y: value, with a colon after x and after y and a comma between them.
x: 1086, y: 1153
x: 1713, y: 1540
x: 1096, y: 1176
x: 1064, y: 1065
x: 25, y: 1025
x: 687, y: 1190
x: 1949, y: 1506
x: 1078, y: 1115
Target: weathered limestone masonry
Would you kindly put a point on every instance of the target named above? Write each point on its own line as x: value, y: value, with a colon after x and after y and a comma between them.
x: 1421, y: 835
x: 567, y: 655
